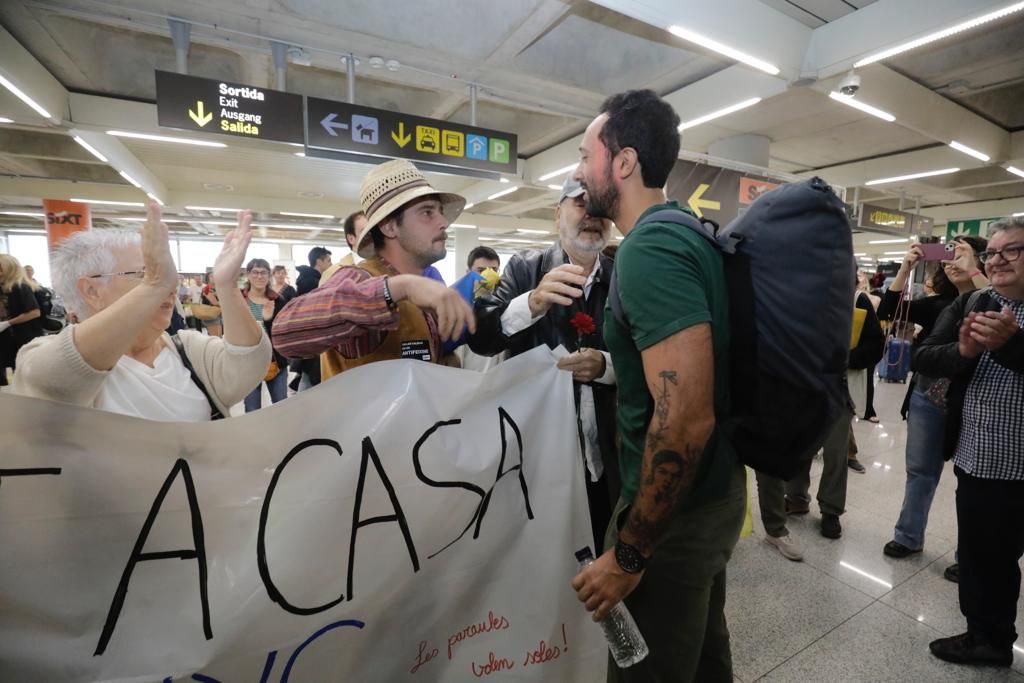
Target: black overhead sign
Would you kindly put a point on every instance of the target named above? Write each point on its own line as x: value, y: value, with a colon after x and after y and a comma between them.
x: 343, y: 127
x: 720, y: 194
x: 208, y: 106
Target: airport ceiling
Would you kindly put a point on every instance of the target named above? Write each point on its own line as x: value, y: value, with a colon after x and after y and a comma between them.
x: 541, y: 69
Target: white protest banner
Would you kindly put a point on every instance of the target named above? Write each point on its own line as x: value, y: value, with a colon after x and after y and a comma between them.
x: 402, y: 522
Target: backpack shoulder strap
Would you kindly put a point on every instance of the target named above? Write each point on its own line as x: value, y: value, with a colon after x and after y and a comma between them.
x: 975, y: 299
x: 215, y: 413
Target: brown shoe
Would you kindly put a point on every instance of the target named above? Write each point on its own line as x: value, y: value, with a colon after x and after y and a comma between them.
x: 968, y: 648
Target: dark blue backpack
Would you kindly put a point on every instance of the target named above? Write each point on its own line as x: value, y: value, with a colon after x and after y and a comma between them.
x: 789, y: 269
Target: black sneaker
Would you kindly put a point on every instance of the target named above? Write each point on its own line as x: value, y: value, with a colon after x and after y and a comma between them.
x: 855, y: 465
x: 952, y: 573
x: 830, y: 526
x: 967, y: 648
x: 898, y: 550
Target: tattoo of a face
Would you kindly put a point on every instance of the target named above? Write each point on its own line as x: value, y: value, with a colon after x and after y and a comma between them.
x: 664, y: 479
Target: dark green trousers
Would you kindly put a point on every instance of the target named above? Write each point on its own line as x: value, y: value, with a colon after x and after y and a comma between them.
x: 679, y: 604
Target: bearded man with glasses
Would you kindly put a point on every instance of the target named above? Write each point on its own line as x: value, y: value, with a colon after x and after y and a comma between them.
x: 978, y: 344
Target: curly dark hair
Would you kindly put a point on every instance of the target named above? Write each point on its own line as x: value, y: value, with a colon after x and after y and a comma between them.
x: 642, y: 120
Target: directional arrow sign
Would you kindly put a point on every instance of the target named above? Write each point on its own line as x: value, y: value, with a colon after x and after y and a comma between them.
x: 197, y: 115
x: 400, y: 138
x: 377, y: 134
x: 209, y: 106
x: 331, y: 126
x: 696, y: 203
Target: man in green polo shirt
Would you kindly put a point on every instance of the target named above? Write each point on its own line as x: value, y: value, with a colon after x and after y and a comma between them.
x: 683, y: 490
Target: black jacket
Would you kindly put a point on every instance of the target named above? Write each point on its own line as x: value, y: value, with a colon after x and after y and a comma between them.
x: 871, y: 346
x: 307, y: 280
x: 522, y: 274
x: 939, y: 356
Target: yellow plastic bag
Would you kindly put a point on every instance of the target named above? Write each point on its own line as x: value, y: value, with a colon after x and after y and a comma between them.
x: 748, y: 518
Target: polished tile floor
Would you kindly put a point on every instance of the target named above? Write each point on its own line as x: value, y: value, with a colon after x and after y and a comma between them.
x: 848, y: 613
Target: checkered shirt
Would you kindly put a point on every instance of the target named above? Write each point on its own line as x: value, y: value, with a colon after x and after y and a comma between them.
x: 991, y: 442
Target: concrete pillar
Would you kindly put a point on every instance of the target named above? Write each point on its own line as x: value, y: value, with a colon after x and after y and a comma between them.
x: 747, y: 149
x: 466, y: 240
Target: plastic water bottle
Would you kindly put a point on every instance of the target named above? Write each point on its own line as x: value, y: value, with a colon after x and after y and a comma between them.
x: 624, y: 639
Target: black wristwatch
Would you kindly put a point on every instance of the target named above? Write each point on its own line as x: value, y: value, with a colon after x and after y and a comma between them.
x: 629, y: 558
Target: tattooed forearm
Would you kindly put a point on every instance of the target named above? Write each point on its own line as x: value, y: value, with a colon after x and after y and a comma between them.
x: 665, y: 477
x: 659, y: 425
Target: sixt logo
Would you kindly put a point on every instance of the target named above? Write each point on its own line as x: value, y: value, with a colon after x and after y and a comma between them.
x: 63, y: 218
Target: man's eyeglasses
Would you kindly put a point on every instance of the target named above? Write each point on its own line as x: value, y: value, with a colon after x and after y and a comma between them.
x: 134, y: 274
x: 260, y: 273
x: 1008, y: 254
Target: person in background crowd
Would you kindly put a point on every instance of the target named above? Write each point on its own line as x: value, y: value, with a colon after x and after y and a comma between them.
x: 383, y: 308
x: 978, y: 344
x: 215, y: 327
x: 683, y: 489
x: 926, y: 417
x: 122, y: 287
x: 480, y: 259
x: 534, y: 305
x: 281, y: 286
x: 264, y: 304
x: 21, y: 319
x: 863, y: 285
x: 309, y: 276
x: 30, y: 275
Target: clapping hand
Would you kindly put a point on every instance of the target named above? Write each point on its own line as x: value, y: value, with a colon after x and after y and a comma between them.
x: 229, y: 260
x: 161, y: 273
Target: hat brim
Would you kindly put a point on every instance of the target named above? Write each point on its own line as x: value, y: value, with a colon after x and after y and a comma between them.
x: 452, y: 206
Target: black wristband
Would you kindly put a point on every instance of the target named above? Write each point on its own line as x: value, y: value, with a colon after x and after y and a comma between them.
x: 628, y: 558
x: 387, y: 295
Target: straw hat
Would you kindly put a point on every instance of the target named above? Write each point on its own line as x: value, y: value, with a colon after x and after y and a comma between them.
x: 389, y: 186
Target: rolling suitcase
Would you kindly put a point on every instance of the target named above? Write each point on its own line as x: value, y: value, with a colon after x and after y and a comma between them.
x: 895, y: 364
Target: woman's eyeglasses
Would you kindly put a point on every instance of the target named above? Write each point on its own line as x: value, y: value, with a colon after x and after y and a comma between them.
x: 260, y: 273
x: 134, y: 274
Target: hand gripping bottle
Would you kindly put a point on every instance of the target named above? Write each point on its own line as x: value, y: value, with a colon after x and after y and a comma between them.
x: 624, y: 639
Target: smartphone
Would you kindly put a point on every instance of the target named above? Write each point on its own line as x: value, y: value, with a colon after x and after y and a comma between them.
x: 937, y: 252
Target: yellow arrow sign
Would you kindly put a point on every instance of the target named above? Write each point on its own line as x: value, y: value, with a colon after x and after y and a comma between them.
x: 400, y: 138
x: 696, y: 203
x: 197, y: 115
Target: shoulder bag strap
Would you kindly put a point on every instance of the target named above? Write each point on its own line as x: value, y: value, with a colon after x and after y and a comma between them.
x: 215, y: 413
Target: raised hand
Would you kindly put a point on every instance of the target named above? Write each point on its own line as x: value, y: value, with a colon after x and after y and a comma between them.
x: 229, y: 260
x: 992, y: 330
x: 558, y: 287
x: 161, y: 272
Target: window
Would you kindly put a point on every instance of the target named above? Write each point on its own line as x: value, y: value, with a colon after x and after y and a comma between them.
x: 32, y: 250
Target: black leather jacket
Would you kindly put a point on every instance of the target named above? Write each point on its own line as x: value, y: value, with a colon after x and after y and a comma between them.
x: 523, y: 273
x: 939, y: 356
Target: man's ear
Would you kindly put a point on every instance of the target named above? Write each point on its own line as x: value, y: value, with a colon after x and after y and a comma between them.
x: 627, y: 163
x: 89, y: 291
x: 389, y: 228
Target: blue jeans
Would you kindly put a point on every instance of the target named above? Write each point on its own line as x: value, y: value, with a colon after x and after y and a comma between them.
x: 278, y: 388
x: 926, y: 426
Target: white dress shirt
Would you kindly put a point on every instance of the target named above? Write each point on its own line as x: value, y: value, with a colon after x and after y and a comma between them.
x: 516, y: 318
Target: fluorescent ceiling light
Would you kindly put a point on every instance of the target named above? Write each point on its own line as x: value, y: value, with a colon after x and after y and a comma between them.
x: 893, y: 253
x: 861, y: 254
x: 1018, y: 214
x: 25, y: 98
x: 939, y: 35
x: 889, y: 241
x: 131, y: 180
x: 154, y: 198
x: 502, y: 180
x: 143, y: 219
x: 211, y: 208
x: 912, y: 176
x: 857, y: 104
x: 554, y: 187
x: 462, y: 225
x: 721, y: 112
x: 968, y: 150
x: 468, y: 206
x: 512, y: 240
x: 300, y: 154
x: 92, y: 150
x: 164, y: 138
x: 561, y: 171
x: 292, y: 226
x: 4, y: 119
x: 306, y: 215
x: 533, y: 232
x: 1016, y: 171
x: 503, y: 192
x: 106, y: 201
x: 23, y: 213
x: 730, y: 52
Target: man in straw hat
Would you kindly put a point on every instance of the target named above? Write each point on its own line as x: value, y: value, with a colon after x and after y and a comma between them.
x: 383, y: 309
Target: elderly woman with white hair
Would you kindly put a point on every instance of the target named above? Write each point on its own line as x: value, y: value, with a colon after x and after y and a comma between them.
x: 118, y: 358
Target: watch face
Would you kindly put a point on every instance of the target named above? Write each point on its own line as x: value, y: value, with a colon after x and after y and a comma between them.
x: 628, y: 558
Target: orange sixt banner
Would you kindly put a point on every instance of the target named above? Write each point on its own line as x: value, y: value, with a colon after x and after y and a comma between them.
x: 64, y: 218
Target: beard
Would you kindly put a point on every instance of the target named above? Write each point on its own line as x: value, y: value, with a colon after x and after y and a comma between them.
x: 603, y: 202
x: 587, y: 243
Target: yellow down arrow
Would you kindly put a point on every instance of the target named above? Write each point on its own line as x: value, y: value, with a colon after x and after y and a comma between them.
x: 197, y: 115
x: 696, y: 203
x: 400, y: 138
